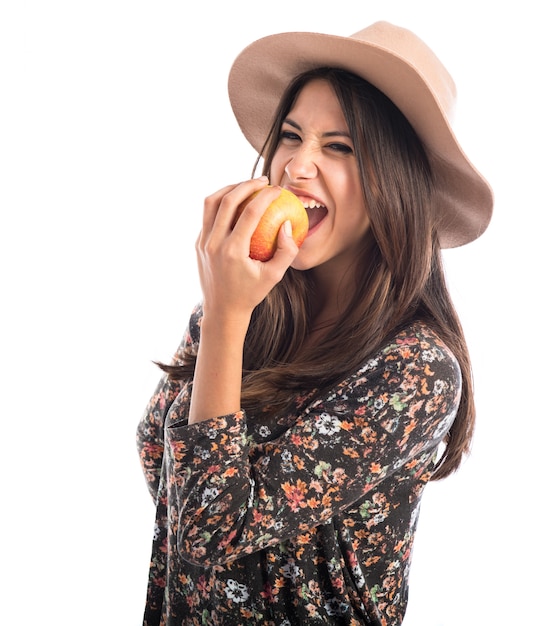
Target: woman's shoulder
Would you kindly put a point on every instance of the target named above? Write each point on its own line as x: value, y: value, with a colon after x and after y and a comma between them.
x: 420, y: 337
x: 413, y: 378
x: 416, y: 347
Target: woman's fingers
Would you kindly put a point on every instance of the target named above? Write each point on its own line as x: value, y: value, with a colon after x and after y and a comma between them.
x: 211, y: 206
x: 221, y: 207
x: 286, y: 252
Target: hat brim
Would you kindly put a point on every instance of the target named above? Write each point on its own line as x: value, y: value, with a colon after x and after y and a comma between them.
x: 263, y: 70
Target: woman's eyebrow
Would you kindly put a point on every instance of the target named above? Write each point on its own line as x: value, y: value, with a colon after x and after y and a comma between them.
x: 330, y: 133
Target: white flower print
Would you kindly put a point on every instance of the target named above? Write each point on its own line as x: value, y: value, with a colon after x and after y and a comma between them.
x: 439, y: 387
x: 432, y: 355
x: 428, y: 356
x: 236, y: 591
x: 371, y: 364
x: 334, y: 607
x: 358, y: 576
x: 290, y: 570
x: 286, y: 464
x: 443, y: 424
x: 209, y: 493
x: 212, y: 433
x: 328, y: 424
x: 201, y: 452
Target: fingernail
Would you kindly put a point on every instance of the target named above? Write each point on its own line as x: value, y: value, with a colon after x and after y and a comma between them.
x: 288, y: 228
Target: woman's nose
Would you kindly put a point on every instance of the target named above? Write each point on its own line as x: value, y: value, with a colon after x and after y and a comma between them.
x: 302, y: 165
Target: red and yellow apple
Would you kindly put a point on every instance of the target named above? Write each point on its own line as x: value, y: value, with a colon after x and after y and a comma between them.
x: 287, y: 207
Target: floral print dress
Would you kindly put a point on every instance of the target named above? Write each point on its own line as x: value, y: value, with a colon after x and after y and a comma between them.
x: 305, y: 518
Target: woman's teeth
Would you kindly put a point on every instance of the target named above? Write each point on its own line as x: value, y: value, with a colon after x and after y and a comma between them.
x: 316, y: 212
x: 313, y: 204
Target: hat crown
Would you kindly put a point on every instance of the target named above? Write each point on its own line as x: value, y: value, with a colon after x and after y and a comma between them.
x: 414, y: 52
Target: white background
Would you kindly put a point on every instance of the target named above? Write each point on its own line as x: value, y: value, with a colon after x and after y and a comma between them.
x: 114, y: 124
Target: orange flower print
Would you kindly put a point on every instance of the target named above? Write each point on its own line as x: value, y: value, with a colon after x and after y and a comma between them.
x: 410, y: 427
x: 296, y: 440
x: 350, y: 452
x: 295, y: 494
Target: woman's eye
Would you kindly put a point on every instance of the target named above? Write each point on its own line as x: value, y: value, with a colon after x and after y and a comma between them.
x: 289, y: 135
x: 340, y: 147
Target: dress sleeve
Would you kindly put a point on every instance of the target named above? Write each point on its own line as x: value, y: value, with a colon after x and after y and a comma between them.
x: 149, y: 435
x: 234, y: 498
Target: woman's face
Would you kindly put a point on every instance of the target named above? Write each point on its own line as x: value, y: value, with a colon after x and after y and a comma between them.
x: 315, y: 159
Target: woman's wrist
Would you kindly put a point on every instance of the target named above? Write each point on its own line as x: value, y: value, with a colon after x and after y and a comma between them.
x: 226, y: 324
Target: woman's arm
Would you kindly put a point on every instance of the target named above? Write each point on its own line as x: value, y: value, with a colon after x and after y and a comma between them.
x: 218, y: 370
x: 150, y: 429
x: 233, y: 284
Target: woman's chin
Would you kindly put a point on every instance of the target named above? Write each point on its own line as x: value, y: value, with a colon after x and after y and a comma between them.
x: 303, y: 261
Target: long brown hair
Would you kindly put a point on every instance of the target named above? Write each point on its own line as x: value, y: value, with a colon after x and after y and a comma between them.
x: 399, y: 276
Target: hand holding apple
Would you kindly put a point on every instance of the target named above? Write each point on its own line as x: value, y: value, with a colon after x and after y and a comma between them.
x: 287, y: 207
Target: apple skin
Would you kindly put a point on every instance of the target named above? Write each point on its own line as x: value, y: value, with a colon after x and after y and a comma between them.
x: 287, y: 207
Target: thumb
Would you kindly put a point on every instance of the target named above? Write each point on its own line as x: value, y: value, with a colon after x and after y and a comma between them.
x: 287, y: 249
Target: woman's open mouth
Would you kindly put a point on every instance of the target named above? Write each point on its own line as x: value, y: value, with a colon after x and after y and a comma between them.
x: 316, y: 212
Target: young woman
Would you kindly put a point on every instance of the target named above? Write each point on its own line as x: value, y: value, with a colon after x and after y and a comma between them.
x: 314, y: 395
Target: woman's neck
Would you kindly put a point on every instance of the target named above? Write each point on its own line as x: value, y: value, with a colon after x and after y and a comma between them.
x: 332, y: 295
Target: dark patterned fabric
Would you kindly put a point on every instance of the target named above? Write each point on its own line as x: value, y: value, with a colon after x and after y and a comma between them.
x: 304, y: 518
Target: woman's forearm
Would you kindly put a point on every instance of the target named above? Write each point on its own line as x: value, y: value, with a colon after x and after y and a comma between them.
x: 218, y: 371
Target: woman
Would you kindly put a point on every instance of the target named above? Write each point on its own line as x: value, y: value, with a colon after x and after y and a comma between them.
x: 314, y: 395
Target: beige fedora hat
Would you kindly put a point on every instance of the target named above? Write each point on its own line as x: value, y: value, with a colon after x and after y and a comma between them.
x: 405, y: 69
